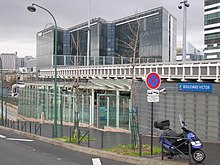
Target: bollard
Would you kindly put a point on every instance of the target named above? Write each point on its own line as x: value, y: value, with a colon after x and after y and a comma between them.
x: 162, y: 151
x: 40, y: 129
x: 17, y: 124
x: 102, y: 135
x: 42, y: 117
x: 5, y: 122
x: 13, y: 124
x: 189, y: 145
x: 52, y: 131
x: 35, y: 128
x: 8, y: 123
x: 30, y: 126
x: 140, y: 144
x: 89, y: 138
x: 25, y: 128
x: 70, y: 134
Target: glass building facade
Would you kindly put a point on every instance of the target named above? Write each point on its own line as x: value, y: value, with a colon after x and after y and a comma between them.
x: 150, y: 35
x: 98, y: 40
x: 45, y: 47
x: 211, y: 28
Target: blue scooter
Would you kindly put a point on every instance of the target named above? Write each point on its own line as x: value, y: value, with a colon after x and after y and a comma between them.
x: 178, y: 144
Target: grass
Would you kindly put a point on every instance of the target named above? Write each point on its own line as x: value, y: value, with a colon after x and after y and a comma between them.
x: 119, y: 149
x: 127, y: 150
x: 74, y: 139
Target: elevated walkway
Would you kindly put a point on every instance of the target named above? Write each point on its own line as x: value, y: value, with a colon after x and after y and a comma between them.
x: 178, y: 71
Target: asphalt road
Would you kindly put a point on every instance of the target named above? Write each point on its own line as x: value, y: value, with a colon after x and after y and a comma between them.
x: 109, y: 139
x: 15, y: 151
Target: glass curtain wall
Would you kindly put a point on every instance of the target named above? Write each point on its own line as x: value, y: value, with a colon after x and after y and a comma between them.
x: 78, y: 44
x: 147, y: 28
x: 45, y: 47
x: 45, y: 40
x: 211, y: 26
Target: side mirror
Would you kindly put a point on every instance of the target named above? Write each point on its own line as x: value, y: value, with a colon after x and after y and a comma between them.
x: 186, y: 4
x: 184, y: 124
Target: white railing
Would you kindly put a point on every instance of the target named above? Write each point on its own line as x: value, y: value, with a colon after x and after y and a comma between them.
x: 199, y: 71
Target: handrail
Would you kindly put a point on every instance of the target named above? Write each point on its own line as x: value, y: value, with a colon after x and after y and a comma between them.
x: 199, y: 71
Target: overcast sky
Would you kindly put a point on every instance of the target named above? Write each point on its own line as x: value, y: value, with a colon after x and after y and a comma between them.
x: 18, y: 26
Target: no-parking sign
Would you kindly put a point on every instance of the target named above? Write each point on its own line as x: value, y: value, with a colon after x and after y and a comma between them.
x: 153, y: 80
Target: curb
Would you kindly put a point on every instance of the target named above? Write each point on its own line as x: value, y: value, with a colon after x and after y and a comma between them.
x: 96, y: 152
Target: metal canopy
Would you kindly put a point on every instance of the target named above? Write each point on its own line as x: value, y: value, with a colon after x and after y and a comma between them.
x: 103, y: 84
x: 120, y: 84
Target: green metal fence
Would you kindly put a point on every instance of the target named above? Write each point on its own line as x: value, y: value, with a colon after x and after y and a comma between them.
x: 33, y: 101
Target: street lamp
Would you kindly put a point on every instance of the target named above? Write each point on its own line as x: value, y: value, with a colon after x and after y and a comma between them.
x: 88, y: 34
x: 2, y: 92
x: 33, y: 9
x: 184, y: 5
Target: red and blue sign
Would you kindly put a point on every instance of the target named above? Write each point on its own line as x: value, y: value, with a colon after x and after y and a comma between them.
x: 153, y: 80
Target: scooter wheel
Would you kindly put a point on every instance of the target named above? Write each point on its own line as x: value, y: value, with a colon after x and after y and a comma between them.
x: 198, y: 156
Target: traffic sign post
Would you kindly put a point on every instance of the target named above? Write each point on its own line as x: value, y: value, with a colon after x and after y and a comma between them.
x: 153, y: 82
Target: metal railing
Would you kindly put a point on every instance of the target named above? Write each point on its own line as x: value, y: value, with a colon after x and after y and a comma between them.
x: 199, y: 71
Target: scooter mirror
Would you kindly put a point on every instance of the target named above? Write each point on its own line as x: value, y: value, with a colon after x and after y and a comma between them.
x: 182, y: 123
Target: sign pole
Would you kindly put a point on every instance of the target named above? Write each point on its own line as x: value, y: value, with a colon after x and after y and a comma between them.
x: 153, y: 82
x: 151, y: 144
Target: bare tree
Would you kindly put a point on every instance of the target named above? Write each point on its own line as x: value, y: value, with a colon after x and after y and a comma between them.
x: 129, y: 44
x: 75, y: 44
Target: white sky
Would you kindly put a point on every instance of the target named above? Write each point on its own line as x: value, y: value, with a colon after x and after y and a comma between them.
x: 18, y: 26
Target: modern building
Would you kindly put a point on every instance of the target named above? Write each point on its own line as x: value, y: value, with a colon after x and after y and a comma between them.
x: 192, y: 54
x: 31, y: 65
x: 45, y: 47
x: 9, y: 61
x: 154, y: 33
x: 211, y: 28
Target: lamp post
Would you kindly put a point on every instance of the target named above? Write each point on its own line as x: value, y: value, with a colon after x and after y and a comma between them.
x: 88, y: 34
x: 33, y: 9
x: 2, y: 116
x: 184, y: 5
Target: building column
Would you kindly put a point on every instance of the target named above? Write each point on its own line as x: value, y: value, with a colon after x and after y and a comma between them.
x: 37, y: 102
x: 69, y: 101
x: 117, y: 107
x: 47, y: 98
x: 98, y: 111
x: 130, y: 113
x: 83, y: 106
x: 73, y: 110
x: 92, y: 105
x: 107, y: 111
x: 90, y: 110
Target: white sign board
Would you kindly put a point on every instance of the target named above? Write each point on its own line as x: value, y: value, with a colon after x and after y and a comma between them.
x: 153, y: 96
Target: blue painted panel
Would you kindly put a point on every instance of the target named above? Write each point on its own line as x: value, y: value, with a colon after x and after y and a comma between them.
x: 195, y: 87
